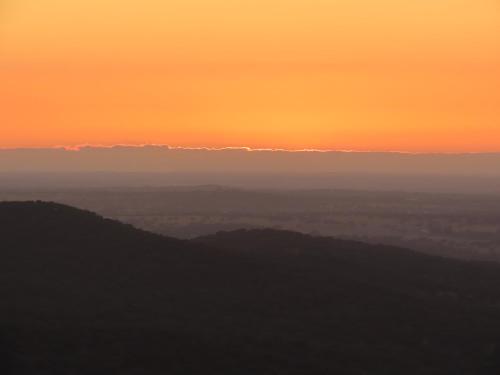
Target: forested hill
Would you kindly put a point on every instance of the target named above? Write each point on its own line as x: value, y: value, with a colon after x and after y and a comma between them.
x: 86, y: 295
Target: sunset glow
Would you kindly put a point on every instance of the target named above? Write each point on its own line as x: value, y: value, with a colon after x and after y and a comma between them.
x: 295, y: 74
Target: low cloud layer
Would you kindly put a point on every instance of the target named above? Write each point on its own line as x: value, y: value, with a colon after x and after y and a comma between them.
x: 161, y: 159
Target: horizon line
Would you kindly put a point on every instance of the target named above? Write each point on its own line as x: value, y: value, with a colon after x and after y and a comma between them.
x: 83, y: 146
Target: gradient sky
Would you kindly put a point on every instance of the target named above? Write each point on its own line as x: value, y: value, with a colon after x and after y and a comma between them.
x: 415, y: 75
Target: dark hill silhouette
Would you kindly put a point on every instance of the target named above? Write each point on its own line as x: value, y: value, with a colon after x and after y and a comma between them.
x: 373, y: 263
x: 85, y: 295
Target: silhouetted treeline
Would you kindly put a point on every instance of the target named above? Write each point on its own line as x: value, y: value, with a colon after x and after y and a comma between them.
x: 464, y: 226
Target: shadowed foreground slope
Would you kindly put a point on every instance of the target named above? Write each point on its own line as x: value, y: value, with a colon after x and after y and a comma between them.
x: 85, y: 295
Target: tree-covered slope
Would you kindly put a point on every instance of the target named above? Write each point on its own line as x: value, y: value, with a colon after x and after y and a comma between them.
x: 85, y: 295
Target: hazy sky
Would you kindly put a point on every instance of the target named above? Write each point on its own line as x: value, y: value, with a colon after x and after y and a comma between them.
x: 414, y: 75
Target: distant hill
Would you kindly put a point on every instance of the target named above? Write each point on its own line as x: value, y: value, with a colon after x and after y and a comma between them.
x: 85, y: 295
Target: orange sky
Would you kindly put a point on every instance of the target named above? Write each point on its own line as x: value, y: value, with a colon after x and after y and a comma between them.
x: 415, y: 75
